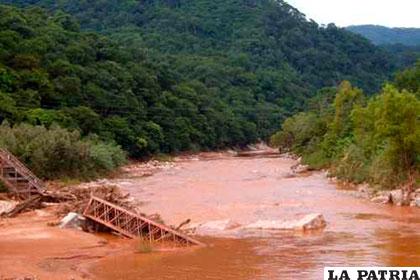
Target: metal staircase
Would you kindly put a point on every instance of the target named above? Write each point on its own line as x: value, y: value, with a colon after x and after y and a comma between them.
x: 17, y: 177
x: 134, y: 226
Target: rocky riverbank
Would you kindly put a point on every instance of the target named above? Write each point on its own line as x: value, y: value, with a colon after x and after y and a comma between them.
x: 397, y: 197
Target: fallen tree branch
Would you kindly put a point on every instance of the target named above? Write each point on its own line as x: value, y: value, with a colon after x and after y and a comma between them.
x: 30, y: 203
x: 183, y: 224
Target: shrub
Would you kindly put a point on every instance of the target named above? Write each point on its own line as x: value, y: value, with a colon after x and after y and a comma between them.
x: 316, y: 159
x: 106, y: 156
x: 57, y: 153
x: 353, y: 166
x: 388, y: 131
x: 298, y: 132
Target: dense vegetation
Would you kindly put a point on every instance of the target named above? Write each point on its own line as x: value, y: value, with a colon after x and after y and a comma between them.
x: 403, y: 44
x: 155, y: 76
x: 381, y: 35
x: 175, y: 75
x: 266, y: 44
x: 375, y: 140
x: 52, y: 73
x: 404, y: 56
x: 57, y: 153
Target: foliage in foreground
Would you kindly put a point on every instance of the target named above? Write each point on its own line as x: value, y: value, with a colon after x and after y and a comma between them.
x: 58, y: 153
x: 375, y: 140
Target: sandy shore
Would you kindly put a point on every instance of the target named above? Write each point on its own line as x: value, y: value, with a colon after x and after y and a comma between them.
x: 30, y: 248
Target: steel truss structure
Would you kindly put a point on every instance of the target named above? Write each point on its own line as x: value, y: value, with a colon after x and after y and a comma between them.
x: 17, y: 177
x: 132, y: 225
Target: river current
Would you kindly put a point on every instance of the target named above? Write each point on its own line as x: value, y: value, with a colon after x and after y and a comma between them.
x: 244, y: 190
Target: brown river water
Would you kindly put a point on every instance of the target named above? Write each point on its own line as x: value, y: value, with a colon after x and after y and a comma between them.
x: 219, y: 186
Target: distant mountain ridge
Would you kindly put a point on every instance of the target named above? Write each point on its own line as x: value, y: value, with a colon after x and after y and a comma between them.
x: 381, y: 35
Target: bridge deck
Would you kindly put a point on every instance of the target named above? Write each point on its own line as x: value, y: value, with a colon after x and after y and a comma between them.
x: 132, y: 225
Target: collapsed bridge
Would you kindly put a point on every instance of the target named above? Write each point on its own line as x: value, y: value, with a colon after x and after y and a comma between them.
x: 132, y: 225
x: 22, y: 183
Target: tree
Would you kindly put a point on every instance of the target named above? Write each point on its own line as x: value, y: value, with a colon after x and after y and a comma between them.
x: 388, y: 128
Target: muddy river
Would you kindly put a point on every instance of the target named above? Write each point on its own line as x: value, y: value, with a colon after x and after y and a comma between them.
x: 246, y: 190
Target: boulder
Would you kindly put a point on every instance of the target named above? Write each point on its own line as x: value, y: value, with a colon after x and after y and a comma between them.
x: 364, y: 191
x: 72, y: 220
x: 308, y: 222
x: 382, y: 197
x: 415, y: 202
x: 397, y: 197
x: 364, y: 188
x: 7, y: 206
x: 312, y: 222
x: 288, y: 175
x: 213, y: 227
x: 300, y: 168
x: 232, y: 152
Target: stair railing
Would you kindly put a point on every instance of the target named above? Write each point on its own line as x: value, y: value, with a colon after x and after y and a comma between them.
x: 11, y: 160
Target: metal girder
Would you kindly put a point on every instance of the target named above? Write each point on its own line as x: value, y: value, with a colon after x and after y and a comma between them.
x: 132, y: 225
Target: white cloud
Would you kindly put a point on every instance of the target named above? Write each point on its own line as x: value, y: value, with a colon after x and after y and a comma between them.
x: 401, y: 13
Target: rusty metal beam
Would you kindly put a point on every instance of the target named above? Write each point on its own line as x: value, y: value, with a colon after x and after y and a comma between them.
x: 132, y: 225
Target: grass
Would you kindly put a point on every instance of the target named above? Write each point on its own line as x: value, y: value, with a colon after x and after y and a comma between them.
x: 67, y: 181
x: 163, y: 157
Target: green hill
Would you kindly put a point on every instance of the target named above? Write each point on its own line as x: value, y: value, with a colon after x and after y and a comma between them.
x: 261, y: 33
x: 381, y: 35
x: 163, y: 76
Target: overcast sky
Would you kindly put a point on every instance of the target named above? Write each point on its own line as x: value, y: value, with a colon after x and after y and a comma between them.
x: 392, y: 13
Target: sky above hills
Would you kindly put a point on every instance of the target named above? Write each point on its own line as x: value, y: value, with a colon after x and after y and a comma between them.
x: 391, y: 13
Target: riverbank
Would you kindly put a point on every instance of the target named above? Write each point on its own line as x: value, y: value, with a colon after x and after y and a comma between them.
x: 378, y: 194
x: 397, y: 197
x: 30, y: 248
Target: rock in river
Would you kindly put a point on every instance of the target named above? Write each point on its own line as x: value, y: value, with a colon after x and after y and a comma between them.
x: 213, y: 227
x: 7, y: 206
x: 72, y: 220
x: 397, y: 197
x: 415, y: 202
x: 308, y: 222
x: 383, y: 197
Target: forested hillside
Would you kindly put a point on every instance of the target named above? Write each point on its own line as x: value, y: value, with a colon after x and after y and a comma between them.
x: 381, y: 35
x: 265, y: 37
x: 166, y: 76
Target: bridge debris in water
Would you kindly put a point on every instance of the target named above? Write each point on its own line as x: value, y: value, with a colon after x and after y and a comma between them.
x: 132, y: 225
